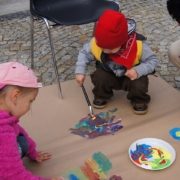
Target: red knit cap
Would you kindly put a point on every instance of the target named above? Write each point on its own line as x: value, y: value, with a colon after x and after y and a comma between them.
x: 111, y: 30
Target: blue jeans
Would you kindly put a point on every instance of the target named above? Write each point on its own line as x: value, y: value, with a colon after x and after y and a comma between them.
x: 23, y: 145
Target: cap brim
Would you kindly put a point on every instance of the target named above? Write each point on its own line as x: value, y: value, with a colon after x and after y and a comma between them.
x: 39, y: 85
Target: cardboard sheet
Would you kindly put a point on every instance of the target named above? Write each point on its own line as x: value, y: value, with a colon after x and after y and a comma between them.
x: 51, y: 117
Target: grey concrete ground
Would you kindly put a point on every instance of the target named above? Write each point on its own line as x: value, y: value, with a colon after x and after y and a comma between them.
x: 13, y: 6
x: 152, y: 20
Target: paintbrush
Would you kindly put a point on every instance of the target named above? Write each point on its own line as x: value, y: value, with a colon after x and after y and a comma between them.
x: 88, y: 102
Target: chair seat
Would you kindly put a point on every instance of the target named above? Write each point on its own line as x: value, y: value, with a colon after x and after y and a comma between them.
x: 71, y: 12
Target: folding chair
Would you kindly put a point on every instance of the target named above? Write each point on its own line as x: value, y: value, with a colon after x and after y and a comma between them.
x: 66, y: 12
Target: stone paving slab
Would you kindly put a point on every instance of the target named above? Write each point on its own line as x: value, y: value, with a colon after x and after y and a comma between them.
x: 13, y: 6
x: 152, y: 20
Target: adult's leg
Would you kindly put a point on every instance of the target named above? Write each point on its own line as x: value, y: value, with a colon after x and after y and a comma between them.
x: 174, y: 53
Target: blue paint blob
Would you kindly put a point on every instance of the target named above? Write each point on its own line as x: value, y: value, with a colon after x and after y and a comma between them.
x: 73, y: 177
x: 175, y: 133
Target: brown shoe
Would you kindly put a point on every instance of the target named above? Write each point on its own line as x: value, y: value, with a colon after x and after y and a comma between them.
x: 140, y: 108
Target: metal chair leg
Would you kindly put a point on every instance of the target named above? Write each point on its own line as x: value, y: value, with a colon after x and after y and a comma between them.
x: 53, y: 56
x: 32, y: 41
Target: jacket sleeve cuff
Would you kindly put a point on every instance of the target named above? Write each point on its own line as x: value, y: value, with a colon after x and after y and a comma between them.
x: 80, y: 70
x: 140, y: 71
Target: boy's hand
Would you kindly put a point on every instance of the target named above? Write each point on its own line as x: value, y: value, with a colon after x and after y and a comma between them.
x: 131, y: 74
x: 42, y: 156
x: 80, y: 79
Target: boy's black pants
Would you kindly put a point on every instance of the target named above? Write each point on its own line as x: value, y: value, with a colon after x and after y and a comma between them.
x: 104, y: 83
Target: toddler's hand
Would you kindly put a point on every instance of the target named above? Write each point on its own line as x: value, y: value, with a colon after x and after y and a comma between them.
x: 131, y: 74
x: 80, y: 79
x: 43, y: 156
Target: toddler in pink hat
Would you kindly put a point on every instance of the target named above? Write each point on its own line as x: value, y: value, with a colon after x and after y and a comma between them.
x: 18, y: 89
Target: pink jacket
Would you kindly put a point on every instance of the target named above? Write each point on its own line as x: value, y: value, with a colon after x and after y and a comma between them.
x: 11, y: 164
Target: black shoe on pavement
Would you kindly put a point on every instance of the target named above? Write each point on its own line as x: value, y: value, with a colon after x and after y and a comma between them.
x: 140, y: 108
x: 99, y: 103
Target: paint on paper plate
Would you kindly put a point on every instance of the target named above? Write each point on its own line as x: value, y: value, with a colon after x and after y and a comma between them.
x: 154, y: 157
x: 152, y: 153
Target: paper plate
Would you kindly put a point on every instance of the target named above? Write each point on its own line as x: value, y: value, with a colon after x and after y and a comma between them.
x: 152, y: 153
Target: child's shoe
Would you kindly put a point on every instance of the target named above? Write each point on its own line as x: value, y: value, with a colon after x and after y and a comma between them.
x: 99, y: 103
x: 140, y: 108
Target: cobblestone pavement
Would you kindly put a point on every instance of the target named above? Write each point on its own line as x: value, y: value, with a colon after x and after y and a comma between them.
x: 152, y: 20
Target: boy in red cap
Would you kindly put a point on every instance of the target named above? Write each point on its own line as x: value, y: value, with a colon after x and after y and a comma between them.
x: 122, y: 62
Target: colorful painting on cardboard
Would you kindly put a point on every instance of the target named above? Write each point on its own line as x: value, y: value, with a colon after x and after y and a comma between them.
x: 95, y: 168
x: 104, y: 123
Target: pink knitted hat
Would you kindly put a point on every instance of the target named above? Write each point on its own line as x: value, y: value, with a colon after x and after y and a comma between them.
x: 14, y: 73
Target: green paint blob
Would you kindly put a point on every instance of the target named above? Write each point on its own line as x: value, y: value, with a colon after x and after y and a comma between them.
x: 103, y: 162
x: 157, y: 166
x: 178, y: 133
